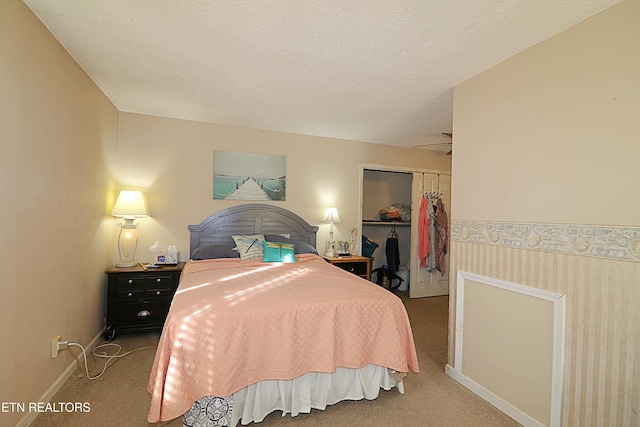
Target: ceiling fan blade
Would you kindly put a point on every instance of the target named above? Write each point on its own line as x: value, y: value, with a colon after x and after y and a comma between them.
x: 435, y: 144
x: 438, y: 144
x: 448, y: 135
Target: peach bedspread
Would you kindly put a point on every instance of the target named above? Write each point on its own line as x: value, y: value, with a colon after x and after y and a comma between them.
x: 233, y: 323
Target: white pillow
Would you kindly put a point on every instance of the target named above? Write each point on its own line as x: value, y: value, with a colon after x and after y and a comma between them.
x: 250, y: 246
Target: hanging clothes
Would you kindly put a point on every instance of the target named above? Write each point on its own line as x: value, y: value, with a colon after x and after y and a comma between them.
x: 393, y: 252
x: 423, y: 229
x: 442, y: 229
x: 431, y: 262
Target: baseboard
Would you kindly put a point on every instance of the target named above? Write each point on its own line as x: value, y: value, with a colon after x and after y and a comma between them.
x: 57, y: 385
x: 515, y: 413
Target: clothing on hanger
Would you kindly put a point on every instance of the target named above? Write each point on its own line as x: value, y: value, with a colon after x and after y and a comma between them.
x: 424, y: 245
x: 442, y: 229
x: 393, y: 251
x: 431, y: 261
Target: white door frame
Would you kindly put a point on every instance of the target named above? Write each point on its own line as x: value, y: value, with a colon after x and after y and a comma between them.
x: 385, y: 168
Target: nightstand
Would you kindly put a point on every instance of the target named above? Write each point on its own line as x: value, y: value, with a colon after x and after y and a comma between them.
x: 358, y: 265
x: 138, y: 299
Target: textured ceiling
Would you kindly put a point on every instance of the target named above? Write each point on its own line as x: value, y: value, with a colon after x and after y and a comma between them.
x: 376, y: 71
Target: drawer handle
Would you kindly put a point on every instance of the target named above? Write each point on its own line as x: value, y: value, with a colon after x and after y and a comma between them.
x: 129, y: 294
x: 144, y: 313
x: 158, y: 280
x: 352, y: 269
x: 157, y: 292
x: 130, y: 280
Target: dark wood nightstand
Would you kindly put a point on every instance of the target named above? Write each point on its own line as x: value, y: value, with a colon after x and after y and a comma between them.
x: 138, y: 300
x: 358, y: 265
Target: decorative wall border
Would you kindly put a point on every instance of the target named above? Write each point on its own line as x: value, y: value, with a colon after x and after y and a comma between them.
x: 619, y: 243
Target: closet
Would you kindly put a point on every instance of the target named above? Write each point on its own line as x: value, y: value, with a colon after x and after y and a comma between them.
x: 387, y: 186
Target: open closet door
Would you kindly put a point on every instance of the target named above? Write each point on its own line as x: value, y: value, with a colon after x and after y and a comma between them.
x: 422, y: 282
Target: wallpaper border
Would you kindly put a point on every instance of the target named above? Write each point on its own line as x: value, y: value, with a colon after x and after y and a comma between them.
x: 618, y: 243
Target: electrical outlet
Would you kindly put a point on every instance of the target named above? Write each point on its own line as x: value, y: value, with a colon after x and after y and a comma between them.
x: 54, y: 346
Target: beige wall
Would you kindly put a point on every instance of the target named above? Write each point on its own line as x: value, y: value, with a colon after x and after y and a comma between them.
x: 172, y: 162
x: 546, y: 145
x: 58, y: 137
x: 554, y: 130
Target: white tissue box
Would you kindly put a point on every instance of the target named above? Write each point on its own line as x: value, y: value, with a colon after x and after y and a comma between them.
x: 171, y: 258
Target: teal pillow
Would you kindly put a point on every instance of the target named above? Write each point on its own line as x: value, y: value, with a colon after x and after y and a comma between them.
x: 278, y: 252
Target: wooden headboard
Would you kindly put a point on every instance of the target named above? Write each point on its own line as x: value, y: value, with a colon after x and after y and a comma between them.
x: 250, y: 219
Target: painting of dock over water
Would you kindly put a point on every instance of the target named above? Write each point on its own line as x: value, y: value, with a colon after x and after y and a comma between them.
x: 248, y: 176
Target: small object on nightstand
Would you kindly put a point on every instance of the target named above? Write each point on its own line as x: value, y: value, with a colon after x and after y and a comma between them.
x: 172, y: 255
x: 343, y: 248
x: 157, y: 253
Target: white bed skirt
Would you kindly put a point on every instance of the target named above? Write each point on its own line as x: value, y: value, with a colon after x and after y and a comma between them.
x: 309, y: 391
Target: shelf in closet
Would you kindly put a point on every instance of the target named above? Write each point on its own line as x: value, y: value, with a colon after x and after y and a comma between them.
x: 372, y: 222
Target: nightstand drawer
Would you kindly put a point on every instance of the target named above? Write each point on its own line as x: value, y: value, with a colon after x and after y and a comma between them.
x: 141, y: 314
x: 158, y: 292
x: 131, y: 292
x: 358, y: 268
x: 144, y: 280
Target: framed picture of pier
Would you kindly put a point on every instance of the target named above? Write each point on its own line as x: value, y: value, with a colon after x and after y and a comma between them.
x: 249, y: 176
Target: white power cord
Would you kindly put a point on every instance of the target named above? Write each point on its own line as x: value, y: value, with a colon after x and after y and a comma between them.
x: 103, y: 355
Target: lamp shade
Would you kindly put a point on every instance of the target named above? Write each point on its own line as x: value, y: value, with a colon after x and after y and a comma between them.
x: 130, y: 204
x: 331, y: 215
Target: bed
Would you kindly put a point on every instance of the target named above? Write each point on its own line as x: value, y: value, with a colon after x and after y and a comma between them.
x: 283, y: 330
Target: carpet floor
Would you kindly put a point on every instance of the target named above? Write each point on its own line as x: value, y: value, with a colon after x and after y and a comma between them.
x: 119, y: 397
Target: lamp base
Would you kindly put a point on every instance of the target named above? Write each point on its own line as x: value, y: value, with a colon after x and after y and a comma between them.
x: 331, y: 248
x: 126, y: 264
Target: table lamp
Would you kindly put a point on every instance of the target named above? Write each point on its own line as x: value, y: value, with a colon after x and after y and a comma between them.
x: 331, y: 216
x: 130, y: 205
